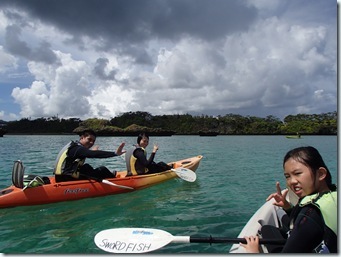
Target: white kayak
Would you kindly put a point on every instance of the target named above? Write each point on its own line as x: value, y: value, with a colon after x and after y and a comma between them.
x: 267, y: 214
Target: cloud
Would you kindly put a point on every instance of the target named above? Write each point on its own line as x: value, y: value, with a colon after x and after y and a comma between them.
x: 15, y: 46
x: 101, y: 58
x: 7, y: 61
x: 101, y: 69
x: 126, y: 26
x: 57, y: 90
x: 136, y: 21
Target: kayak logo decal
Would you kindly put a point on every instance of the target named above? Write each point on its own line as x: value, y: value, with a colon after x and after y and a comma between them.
x: 76, y: 191
x: 142, y: 232
x: 124, y: 247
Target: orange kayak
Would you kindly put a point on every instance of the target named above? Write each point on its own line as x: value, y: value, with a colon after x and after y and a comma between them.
x: 45, y: 191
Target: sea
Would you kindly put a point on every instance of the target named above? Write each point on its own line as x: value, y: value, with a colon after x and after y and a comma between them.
x: 234, y: 178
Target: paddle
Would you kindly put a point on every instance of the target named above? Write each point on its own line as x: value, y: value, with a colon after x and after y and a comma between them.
x: 104, y: 181
x: 143, y: 240
x: 185, y: 174
x: 113, y: 184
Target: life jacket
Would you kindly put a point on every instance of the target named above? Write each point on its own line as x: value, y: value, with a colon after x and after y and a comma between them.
x: 327, y: 204
x: 133, y: 166
x: 65, y: 165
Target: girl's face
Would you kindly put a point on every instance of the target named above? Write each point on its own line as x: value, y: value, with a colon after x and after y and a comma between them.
x: 144, y: 142
x: 87, y: 141
x: 299, y: 178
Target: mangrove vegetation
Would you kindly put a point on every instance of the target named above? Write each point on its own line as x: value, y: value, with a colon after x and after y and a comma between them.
x: 131, y: 123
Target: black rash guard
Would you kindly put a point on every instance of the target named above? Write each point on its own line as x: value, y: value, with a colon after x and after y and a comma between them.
x: 308, y: 230
x: 141, y: 157
x: 79, y: 151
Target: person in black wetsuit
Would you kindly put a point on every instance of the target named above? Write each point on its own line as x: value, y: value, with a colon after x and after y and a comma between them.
x: 313, y: 221
x: 136, y: 158
x: 70, y: 165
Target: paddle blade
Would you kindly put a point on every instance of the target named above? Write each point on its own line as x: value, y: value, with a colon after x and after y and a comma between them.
x: 115, y: 185
x: 132, y: 240
x: 185, y: 174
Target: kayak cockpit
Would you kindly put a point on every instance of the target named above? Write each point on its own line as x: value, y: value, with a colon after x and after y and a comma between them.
x: 20, y: 180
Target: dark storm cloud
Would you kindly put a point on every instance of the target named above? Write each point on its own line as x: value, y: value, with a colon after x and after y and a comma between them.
x: 14, y: 45
x: 319, y: 12
x: 136, y: 20
x: 99, y: 69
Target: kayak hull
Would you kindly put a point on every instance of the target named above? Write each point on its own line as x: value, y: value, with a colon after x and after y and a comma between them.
x: 267, y: 214
x: 80, y: 189
x: 293, y: 137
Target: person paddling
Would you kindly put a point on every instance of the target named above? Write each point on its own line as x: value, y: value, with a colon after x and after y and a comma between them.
x: 70, y: 161
x: 313, y: 220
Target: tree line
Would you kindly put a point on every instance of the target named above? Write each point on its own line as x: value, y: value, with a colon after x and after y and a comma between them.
x: 181, y: 124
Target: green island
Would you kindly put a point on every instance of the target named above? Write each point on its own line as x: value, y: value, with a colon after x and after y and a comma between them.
x: 132, y: 123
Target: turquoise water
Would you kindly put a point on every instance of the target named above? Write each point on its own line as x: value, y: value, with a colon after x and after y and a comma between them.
x: 235, y: 176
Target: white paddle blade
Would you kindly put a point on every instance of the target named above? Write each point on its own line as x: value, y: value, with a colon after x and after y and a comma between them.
x: 185, y: 174
x: 132, y: 240
x: 115, y: 185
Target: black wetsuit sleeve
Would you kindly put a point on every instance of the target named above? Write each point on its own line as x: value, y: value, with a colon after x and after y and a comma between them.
x: 141, y: 157
x: 83, y: 152
x: 307, y: 233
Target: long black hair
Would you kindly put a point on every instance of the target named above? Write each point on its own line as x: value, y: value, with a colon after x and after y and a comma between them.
x: 310, y: 157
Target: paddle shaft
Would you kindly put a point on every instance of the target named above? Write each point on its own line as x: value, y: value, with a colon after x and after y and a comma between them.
x: 104, y: 181
x: 211, y: 240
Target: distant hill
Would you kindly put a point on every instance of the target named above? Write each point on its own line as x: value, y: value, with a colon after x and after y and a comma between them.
x: 131, y: 123
x: 3, y: 123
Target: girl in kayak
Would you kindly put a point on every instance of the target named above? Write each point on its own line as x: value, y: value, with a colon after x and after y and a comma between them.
x: 70, y: 165
x: 137, y: 162
x: 313, y: 221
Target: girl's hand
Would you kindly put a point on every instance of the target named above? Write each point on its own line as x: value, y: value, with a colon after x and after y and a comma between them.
x: 156, y: 147
x: 120, y: 150
x: 280, y: 199
x: 252, y: 244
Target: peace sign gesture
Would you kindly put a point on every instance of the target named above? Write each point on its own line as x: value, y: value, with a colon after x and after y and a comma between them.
x: 280, y: 197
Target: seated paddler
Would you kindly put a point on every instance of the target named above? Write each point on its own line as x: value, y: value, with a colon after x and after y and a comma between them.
x: 70, y: 163
x: 136, y: 158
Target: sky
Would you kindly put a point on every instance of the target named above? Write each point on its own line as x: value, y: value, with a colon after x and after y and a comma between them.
x: 100, y: 58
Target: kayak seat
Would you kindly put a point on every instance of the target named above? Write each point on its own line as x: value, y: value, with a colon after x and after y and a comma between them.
x: 18, y: 174
x: 272, y: 232
x: 19, y: 180
x: 114, y: 173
